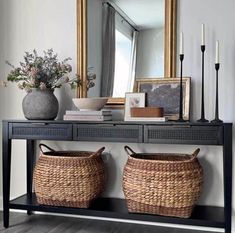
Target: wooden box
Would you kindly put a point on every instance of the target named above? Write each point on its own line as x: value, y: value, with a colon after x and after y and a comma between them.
x: 147, y: 112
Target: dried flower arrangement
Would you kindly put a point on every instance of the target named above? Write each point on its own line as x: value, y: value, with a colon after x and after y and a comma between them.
x: 44, y: 72
x: 91, y: 76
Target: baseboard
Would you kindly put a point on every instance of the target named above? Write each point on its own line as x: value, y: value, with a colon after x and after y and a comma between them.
x: 198, y: 228
x: 190, y: 227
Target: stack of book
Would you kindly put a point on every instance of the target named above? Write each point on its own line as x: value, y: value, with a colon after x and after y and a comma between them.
x: 103, y: 115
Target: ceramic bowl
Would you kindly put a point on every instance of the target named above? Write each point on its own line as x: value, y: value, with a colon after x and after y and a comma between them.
x: 88, y: 104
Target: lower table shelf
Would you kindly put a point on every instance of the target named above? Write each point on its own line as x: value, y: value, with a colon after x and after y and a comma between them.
x: 116, y: 208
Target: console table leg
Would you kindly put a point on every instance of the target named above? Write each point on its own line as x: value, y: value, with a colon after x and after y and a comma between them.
x: 227, y: 170
x: 30, y: 163
x: 6, y: 167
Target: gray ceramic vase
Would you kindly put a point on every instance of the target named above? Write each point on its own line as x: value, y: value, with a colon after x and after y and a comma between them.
x: 40, y: 105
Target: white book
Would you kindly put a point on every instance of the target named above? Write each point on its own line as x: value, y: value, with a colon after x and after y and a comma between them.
x: 155, y: 119
x: 89, y: 113
x: 87, y: 118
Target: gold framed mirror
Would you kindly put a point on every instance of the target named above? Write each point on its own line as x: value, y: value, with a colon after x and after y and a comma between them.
x: 82, y: 44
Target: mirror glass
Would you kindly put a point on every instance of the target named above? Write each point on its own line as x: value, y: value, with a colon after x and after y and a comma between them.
x: 125, y: 41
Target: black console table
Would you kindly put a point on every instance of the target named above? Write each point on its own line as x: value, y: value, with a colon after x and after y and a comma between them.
x: 139, y: 132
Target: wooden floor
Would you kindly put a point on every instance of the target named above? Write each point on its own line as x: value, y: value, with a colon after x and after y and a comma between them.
x: 22, y: 223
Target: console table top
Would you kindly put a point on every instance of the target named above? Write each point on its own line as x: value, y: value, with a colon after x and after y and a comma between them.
x: 175, y: 123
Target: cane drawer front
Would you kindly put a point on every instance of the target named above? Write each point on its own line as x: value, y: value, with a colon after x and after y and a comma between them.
x: 45, y: 131
x: 201, y: 135
x: 108, y: 132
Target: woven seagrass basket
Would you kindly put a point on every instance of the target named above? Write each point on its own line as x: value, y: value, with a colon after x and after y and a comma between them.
x: 68, y: 178
x: 163, y: 184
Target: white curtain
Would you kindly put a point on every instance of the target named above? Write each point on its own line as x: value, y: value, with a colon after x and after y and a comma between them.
x: 108, y: 50
x: 132, y: 72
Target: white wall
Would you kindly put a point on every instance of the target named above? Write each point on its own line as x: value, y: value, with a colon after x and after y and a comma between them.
x: 218, y: 17
x: 150, y: 54
x: 25, y: 25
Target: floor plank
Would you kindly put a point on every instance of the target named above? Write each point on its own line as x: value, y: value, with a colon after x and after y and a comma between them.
x: 22, y: 223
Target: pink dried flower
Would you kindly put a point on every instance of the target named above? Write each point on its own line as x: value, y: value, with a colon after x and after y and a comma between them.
x: 33, y: 72
x: 66, y: 79
x: 42, y: 86
x: 68, y: 68
x: 62, y: 66
x: 33, y: 81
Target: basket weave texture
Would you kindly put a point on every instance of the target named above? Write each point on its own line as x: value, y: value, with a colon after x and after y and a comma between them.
x: 69, y: 178
x: 163, y: 184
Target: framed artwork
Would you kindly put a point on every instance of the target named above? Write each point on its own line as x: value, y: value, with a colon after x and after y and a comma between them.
x: 133, y: 100
x: 165, y: 92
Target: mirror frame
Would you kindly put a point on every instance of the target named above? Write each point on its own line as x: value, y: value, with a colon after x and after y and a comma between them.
x: 169, y: 45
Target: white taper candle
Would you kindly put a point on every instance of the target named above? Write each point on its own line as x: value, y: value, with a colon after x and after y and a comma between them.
x: 181, y: 43
x: 217, y: 52
x: 203, y: 35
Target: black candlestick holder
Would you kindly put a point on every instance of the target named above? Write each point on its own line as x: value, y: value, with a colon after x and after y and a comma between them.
x: 217, y: 120
x: 202, y: 119
x: 181, y: 119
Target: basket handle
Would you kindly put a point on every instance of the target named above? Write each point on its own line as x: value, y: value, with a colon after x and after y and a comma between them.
x: 41, y: 145
x: 98, y: 152
x: 128, y: 150
x: 195, y: 153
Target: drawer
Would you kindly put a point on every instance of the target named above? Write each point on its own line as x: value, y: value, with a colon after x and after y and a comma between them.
x: 201, y: 135
x: 108, y: 133
x: 45, y: 131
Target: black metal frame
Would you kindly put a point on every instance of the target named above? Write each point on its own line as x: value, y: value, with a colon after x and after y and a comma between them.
x: 181, y: 119
x: 203, y: 119
x: 165, y: 133
x: 217, y: 120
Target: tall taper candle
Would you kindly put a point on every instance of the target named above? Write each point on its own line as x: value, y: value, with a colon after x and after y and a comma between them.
x: 217, y: 52
x: 181, y: 43
x: 203, y: 35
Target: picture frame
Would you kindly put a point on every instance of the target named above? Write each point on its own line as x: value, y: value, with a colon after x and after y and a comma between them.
x: 133, y: 100
x: 165, y: 92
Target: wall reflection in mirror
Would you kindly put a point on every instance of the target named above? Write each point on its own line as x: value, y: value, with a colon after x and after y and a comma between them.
x: 125, y: 42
